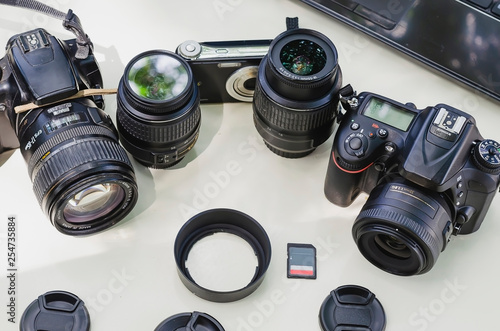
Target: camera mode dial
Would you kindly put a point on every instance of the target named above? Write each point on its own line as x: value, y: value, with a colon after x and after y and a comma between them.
x: 356, y: 144
x: 487, y: 156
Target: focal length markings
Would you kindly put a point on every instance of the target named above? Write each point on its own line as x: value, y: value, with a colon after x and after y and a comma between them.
x: 11, y: 268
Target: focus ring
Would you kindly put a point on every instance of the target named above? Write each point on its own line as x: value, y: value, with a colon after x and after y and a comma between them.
x: 304, y: 84
x: 168, y: 132
x: 70, y: 157
x: 289, y: 119
x: 80, y: 131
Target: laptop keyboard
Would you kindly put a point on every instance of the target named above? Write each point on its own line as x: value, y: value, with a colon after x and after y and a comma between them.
x: 490, y: 7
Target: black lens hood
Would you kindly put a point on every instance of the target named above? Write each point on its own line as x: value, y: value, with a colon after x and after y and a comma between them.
x: 228, y: 221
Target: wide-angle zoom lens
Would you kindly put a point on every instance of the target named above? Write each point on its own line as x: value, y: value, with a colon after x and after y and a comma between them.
x: 158, y: 114
x: 296, y: 93
x: 81, y: 176
x: 402, y: 229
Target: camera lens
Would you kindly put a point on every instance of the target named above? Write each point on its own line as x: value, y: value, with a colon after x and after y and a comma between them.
x: 81, y: 176
x: 296, y: 94
x: 401, y: 228
x: 303, y: 57
x: 158, y: 114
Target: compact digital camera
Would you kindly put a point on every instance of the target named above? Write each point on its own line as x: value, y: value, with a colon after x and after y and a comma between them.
x: 429, y: 175
x: 225, y: 71
x: 81, y: 176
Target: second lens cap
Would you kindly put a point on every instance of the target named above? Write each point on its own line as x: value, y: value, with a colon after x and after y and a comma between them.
x: 352, y: 307
x: 195, y: 321
x: 56, y: 311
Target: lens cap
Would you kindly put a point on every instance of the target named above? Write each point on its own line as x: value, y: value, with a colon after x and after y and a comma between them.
x: 352, y: 308
x: 195, y: 321
x: 56, y: 311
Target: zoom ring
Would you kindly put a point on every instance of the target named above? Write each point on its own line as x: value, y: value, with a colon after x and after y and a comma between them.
x: 70, y: 157
x: 289, y: 119
x: 170, y: 131
x: 80, y: 131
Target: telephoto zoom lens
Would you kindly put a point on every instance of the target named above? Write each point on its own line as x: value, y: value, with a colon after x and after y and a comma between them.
x: 82, y: 177
x: 296, y: 94
x: 158, y: 116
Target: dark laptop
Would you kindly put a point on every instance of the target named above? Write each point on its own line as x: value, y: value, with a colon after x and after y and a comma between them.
x: 458, y: 37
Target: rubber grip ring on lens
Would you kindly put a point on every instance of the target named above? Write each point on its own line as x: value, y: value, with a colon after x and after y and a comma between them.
x: 229, y: 221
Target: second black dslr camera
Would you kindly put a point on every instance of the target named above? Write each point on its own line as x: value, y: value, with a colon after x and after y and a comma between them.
x: 429, y: 175
x: 81, y: 176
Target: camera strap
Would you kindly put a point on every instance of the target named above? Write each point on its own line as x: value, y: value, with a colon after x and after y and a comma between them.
x: 71, y: 22
x: 80, y: 94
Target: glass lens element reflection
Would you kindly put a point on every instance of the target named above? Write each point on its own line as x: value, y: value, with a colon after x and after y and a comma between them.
x: 158, y: 77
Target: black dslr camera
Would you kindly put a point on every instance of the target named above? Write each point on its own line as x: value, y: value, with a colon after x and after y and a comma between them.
x: 81, y: 176
x: 429, y: 175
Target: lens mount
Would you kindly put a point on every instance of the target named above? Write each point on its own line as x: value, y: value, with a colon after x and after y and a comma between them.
x: 158, y: 115
x: 402, y: 229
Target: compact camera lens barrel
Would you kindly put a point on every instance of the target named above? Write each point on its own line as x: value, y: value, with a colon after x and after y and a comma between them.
x: 158, y: 116
x: 81, y: 176
x: 296, y: 93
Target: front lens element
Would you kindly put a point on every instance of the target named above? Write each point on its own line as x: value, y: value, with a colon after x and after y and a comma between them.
x: 158, y: 77
x: 303, y: 57
x: 392, y: 245
x: 93, y: 202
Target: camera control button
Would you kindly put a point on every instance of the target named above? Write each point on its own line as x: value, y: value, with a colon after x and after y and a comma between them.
x: 382, y: 133
x: 355, y: 126
x: 390, y: 148
x: 355, y: 143
x: 189, y: 49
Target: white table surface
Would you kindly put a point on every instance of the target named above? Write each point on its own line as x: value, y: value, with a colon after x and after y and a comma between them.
x: 127, y: 275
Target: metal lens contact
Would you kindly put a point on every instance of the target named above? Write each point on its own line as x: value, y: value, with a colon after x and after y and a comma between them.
x: 158, y: 77
x: 303, y: 57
